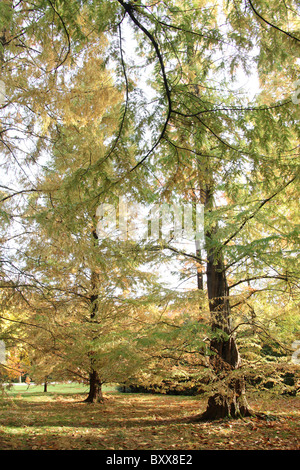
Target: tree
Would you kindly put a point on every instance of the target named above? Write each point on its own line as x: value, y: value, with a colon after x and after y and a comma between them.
x: 191, y: 136
x: 84, y: 287
x: 194, y: 125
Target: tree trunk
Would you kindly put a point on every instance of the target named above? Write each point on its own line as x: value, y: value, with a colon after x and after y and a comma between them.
x: 230, y: 400
x: 231, y: 403
x: 95, y: 394
x: 46, y: 385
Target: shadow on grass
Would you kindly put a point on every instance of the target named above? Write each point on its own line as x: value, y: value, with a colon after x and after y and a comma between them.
x: 61, y: 412
x: 69, y: 410
x: 137, y: 421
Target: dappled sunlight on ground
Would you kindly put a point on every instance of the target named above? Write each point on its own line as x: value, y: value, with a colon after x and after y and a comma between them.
x: 136, y: 421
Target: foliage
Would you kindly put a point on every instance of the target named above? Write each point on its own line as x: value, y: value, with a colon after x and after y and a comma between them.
x: 108, y: 99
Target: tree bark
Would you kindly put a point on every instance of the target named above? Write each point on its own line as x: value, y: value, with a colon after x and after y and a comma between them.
x: 230, y: 399
x: 231, y: 403
x: 95, y: 393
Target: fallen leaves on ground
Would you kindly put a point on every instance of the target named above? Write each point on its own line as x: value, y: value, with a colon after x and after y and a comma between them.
x: 138, y: 422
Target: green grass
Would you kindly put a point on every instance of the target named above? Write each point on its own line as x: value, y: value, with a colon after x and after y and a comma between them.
x: 52, y: 389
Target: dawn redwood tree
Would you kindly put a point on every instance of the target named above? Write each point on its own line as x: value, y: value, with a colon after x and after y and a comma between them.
x: 58, y: 265
x: 202, y: 121
x: 89, y: 288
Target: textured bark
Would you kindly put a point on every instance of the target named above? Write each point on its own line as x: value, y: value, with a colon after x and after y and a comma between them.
x: 95, y: 393
x: 230, y: 401
x: 230, y: 404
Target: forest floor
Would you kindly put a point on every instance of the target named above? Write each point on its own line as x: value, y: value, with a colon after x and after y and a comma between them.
x: 59, y: 420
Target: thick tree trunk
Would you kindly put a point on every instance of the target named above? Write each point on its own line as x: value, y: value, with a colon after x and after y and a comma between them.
x: 230, y: 404
x: 230, y: 400
x: 95, y: 393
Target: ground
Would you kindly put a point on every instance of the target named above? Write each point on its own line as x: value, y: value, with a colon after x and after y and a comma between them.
x: 59, y: 420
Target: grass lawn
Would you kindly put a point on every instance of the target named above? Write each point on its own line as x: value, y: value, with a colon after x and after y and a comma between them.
x: 59, y: 420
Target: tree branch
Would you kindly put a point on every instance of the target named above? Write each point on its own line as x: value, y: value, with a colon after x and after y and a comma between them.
x: 271, y: 24
x: 129, y: 9
x: 262, y: 204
